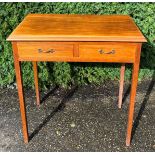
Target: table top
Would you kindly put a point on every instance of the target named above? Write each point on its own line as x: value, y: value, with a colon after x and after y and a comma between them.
x: 70, y: 27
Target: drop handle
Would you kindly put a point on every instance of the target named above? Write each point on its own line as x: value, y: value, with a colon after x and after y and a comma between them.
x: 48, y: 51
x: 110, y: 52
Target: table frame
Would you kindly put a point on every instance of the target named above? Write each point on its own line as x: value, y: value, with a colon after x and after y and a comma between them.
x: 135, y: 70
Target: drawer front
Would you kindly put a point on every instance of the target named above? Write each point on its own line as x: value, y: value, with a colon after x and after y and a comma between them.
x: 44, y: 50
x: 108, y: 52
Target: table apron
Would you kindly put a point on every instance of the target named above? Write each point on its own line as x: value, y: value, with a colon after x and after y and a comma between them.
x: 116, y: 52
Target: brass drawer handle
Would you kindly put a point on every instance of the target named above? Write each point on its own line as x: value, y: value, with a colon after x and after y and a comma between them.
x: 48, y: 51
x: 102, y: 52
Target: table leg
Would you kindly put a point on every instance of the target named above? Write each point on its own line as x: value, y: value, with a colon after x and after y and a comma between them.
x: 35, y: 70
x: 133, y: 95
x: 20, y: 93
x: 122, y: 72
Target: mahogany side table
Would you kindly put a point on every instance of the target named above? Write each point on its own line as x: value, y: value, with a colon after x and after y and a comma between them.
x: 77, y: 38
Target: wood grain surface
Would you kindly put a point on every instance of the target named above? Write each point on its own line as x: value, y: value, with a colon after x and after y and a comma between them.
x: 58, y: 27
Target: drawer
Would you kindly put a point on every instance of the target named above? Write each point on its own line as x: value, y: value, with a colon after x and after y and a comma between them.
x: 108, y: 51
x: 44, y: 51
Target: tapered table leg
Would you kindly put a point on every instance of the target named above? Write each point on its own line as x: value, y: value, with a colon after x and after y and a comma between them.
x: 35, y: 70
x: 133, y: 95
x: 122, y: 72
x: 20, y: 94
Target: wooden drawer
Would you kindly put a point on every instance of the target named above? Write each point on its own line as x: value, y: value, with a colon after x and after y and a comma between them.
x: 44, y: 51
x: 108, y: 51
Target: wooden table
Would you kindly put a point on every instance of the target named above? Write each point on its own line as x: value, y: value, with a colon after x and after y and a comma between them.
x: 77, y: 38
